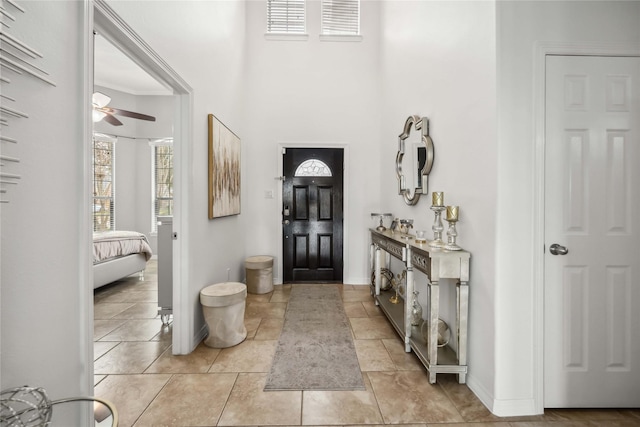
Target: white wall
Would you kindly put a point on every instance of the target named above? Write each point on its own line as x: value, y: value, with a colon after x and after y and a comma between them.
x: 438, y: 61
x: 203, y: 41
x: 45, y: 286
x: 311, y: 93
x: 520, y: 25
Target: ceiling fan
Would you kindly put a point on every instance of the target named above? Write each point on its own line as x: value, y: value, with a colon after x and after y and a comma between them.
x: 101, y: 111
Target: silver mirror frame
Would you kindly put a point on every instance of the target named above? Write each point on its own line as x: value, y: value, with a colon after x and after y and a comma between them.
x: 420, y: 124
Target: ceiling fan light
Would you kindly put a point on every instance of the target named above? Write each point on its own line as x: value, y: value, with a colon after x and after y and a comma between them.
x: 99, y: 99
x: 98, y: 115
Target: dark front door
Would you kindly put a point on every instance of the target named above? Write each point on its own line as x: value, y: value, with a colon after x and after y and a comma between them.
x: 312, y: 214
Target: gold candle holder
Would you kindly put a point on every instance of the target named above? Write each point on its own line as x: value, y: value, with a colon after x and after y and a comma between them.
x: 452, y: 233
x: 437, y: 198
x: 395, y: 284
x: 452, y: 213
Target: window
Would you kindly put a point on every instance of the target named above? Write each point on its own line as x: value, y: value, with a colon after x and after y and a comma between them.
x: 313, y: 167
x: 162, y: 181
x: 340, y: 17
x: 103, y: 183
x: 286, y: 16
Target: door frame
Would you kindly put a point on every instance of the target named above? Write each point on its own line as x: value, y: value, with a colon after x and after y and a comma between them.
x: 345, y: 204
x: 120, y: 34
x: 541, y: 51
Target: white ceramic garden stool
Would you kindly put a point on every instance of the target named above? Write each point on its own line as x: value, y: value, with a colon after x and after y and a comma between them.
x: 223, y: 307
x: 259, y: 272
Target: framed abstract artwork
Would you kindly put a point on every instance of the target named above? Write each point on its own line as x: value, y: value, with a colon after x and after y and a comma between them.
x: 224, y: 170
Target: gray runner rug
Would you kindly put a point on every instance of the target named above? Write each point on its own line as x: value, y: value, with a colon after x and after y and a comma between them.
x: 315, y: 350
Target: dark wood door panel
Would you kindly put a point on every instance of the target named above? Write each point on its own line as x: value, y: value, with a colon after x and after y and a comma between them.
x: 325, y: 251
x: 325, y: 203
x: 301, y: 251
x: 300, y: 203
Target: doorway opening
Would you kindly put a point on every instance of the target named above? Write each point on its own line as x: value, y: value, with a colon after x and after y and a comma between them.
x: 110, y: 26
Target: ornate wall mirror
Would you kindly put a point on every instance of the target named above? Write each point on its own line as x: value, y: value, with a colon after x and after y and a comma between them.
x: 414, y: 159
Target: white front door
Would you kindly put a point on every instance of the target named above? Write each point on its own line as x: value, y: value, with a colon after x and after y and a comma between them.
x: 592, y: 208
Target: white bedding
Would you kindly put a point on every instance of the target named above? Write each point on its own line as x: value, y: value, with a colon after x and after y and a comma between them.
x: 113, y: 244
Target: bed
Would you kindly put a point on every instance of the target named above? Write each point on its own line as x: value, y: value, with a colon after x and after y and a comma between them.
x: 118, y: 254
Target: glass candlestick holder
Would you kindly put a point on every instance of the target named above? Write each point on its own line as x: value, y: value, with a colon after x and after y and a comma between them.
x: 437, y: 227
x: 452, y: 233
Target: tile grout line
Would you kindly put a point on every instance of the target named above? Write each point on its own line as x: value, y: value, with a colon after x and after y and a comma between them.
x: 152, y: 400
x: 226, y: 402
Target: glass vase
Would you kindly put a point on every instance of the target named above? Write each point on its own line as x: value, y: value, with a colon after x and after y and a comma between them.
x: 416, y: 310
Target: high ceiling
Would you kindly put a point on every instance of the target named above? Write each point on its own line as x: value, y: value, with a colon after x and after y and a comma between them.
x: 113, y: 69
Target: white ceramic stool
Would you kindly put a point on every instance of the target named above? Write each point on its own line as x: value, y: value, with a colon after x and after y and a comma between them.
x: 259, y: 272
x: 223, y: 307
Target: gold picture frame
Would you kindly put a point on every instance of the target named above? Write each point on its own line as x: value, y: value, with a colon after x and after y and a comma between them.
x: 224, y: 170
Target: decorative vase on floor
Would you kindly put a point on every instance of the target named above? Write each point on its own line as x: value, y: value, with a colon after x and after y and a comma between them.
x: 444, y: 333
x: 416, y: 310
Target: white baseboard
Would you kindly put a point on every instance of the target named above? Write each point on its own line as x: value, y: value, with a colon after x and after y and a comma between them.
x: 514, y: 407
x: 501, y: 408
x: 357, y: 281
x: 349, y: 281
x: 201, y: 335
x: 484, y: 395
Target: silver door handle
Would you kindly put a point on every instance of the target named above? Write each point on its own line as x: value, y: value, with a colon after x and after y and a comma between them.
x: 557, y: 249
x: 285, y: 222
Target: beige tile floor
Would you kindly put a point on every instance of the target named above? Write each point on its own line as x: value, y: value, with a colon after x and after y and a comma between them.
x: 135, y: 369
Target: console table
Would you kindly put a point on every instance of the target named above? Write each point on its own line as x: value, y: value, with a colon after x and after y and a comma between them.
x: 436, y: 264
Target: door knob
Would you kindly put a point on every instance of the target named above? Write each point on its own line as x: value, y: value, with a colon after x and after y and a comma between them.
x: 285, y: 222
x: 557, y: 249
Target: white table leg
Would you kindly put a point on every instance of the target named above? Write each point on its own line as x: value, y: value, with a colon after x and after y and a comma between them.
x: 408, y: 299
x: 434, y: 313
x: 463, y: 320
x: 377, y: 271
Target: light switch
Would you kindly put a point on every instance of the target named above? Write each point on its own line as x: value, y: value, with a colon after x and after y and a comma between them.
x: 268, y: 194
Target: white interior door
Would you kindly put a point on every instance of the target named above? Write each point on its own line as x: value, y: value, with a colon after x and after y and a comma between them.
x: 592, y: 208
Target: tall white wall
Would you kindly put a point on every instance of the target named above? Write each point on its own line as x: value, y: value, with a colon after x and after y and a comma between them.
x: 45, y: 255
x: 520, y: 25
x: 311, y: 93
x: 438, y: 61
x: 204, y: 42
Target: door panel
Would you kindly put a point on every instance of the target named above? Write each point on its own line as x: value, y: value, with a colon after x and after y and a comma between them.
x: 301, y: 250
x: 301, y: 203
x: 312, y: 217
x: 592, y: 207
x: 325, y: 204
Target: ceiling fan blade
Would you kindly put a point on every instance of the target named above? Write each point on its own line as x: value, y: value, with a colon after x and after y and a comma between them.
x: 112, y: 120
x: 132, y: 114
x: 99, y: 99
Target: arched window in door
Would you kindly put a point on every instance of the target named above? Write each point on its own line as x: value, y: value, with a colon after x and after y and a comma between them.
x: 313, y: 167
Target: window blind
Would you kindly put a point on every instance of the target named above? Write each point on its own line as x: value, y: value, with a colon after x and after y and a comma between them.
x: 341, y: 17
x: 103, y: 183
x: 286, y: 16
x: 162, y: 180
